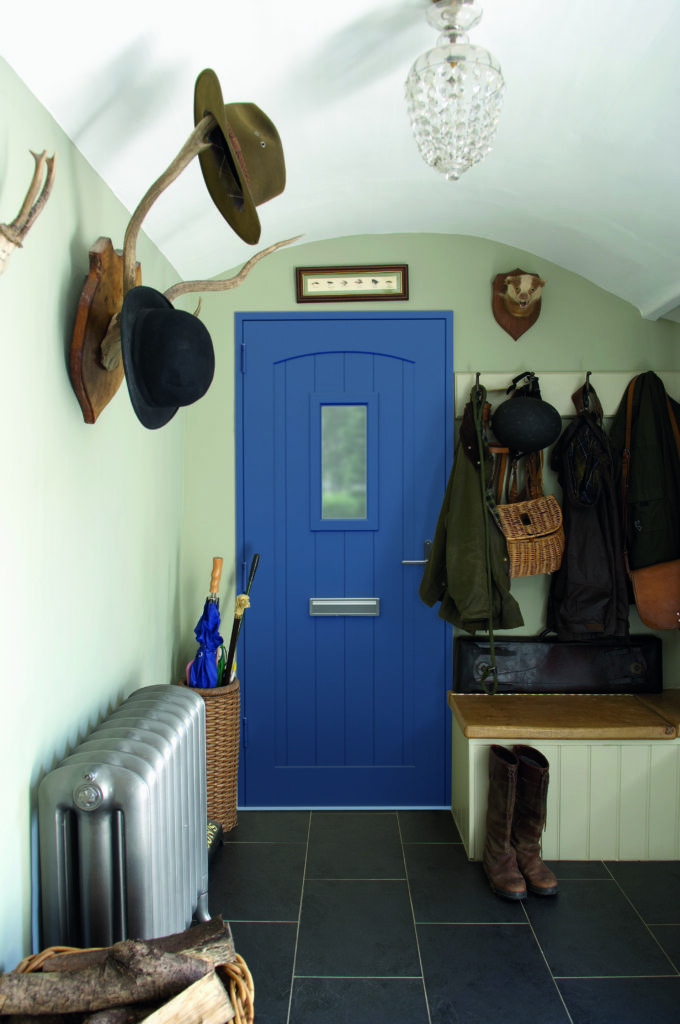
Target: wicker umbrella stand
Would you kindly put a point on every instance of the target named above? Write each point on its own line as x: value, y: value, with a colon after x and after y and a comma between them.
x: 222, y: 730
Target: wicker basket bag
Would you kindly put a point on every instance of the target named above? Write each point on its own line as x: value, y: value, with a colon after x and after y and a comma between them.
x: 532, y: 528
x: 535, y: 535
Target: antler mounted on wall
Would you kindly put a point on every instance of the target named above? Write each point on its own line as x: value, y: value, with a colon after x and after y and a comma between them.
x: 12, y: 235
x: 96, y: 367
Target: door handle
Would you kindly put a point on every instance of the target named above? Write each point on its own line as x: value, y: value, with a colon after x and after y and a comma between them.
x: 427, y: 547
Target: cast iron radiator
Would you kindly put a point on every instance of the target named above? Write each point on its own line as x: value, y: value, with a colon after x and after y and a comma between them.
x: 122, y: 825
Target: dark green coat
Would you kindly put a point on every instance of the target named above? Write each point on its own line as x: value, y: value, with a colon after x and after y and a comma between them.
x: 456, y: 571
x: 653, y: 523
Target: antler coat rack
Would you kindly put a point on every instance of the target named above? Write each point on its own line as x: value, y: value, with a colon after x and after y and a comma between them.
x: 96, y: 366
x: 12, y: 235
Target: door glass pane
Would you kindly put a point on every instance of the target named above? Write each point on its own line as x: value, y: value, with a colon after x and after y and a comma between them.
x: 343, y: 461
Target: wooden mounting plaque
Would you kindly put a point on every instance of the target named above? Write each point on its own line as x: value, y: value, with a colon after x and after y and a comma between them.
x: 514, y: 325
x: 100, y: 300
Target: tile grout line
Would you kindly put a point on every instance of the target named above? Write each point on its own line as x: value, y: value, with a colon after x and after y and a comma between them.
x: 353, y: 878
x: 299, y: 918
x: 625, y: 895
x: 260, y: 920
x: 413, y: 918
x: 547, y: 965
x: 610, y: 977
x: 360, y: 977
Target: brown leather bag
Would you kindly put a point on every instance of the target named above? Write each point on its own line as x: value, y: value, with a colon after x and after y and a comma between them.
x: 656, y: 587
x: 657, y: 594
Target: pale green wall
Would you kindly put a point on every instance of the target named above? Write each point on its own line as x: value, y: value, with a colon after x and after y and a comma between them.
x: 90, y: 519
x: 581, y: 327
x: 108, y: 531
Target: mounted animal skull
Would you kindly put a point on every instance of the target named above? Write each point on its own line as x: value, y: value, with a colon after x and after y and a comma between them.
x: 12, y: 235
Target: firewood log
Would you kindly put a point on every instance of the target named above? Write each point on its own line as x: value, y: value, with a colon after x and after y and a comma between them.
x: 128, y: 973
x: 206, y: 940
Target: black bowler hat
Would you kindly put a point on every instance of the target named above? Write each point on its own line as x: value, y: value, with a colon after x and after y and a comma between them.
x: 167, y: 354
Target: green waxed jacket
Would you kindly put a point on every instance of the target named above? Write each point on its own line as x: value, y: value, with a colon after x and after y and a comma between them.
x: 653, y: 522
x: 456, y: 571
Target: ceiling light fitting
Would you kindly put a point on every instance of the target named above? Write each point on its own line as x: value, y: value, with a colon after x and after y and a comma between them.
x: 454, y: 92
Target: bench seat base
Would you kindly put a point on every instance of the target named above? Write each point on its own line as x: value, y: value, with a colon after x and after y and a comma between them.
x: 611, y: 797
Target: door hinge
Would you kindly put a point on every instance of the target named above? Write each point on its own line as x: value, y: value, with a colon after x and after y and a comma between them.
x: 244, y: 722
x: 244, y: 572
x: 243, y: 357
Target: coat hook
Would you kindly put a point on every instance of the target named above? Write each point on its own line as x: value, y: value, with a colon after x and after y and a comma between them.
x: 586, y: 390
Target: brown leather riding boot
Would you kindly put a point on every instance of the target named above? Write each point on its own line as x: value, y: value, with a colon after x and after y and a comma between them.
x: 528, y: 820
x: 500, y: 862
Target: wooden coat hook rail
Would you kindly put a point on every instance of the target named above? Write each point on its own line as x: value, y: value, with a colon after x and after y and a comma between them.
x: 558, y: 386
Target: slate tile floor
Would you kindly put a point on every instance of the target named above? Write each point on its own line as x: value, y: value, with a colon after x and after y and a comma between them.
x: 379, y: 918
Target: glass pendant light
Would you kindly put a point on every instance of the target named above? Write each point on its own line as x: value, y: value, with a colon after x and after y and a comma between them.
x: 454, y: 92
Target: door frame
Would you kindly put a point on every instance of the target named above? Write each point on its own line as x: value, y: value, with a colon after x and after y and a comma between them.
x: 241, y: 564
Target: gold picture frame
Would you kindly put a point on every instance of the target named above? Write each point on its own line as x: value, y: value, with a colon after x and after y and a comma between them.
x: 352, y: 283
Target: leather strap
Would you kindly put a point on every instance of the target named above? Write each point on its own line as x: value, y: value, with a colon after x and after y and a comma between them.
x: 511, y: 486
x: 500, y: 459
x: 625, y: 469
x: 534, y: 475
x: 533, y: 478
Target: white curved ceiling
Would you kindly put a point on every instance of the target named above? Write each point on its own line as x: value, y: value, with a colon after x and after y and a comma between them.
x: 584, y: 171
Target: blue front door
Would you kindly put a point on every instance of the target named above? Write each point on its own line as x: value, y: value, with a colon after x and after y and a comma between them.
x: 344, y: 442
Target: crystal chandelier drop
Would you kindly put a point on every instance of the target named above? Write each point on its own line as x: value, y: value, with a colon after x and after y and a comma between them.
x: 454, y: 92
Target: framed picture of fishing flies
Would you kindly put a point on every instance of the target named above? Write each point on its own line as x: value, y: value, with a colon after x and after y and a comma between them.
x: 352, y: 284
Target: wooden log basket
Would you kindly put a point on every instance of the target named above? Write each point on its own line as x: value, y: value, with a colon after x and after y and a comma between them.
x: 195, y: 977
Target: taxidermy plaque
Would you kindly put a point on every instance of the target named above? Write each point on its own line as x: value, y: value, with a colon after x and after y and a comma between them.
x: 516, y: 300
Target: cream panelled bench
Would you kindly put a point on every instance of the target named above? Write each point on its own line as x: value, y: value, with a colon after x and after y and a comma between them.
x: 614, y: 789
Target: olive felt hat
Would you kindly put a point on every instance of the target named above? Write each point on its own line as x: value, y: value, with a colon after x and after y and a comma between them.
x: 167, y: 354
x: 244, y: 166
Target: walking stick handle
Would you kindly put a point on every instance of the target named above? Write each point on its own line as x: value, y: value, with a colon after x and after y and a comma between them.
x: 216, y: 575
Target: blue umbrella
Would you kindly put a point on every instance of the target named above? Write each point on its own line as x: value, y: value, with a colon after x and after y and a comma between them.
x: 203, y: 672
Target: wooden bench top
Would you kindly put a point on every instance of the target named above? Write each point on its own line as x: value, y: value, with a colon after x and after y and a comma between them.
x: 666, y: 704
x: 563, y: 716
